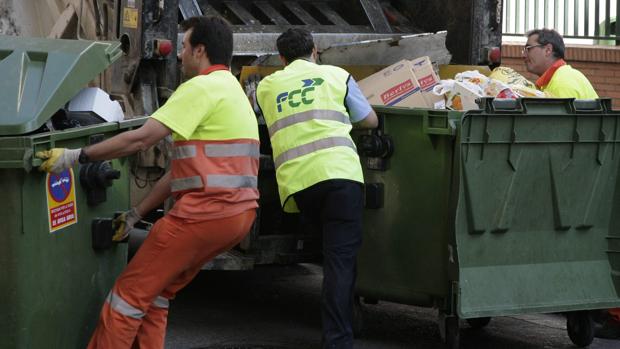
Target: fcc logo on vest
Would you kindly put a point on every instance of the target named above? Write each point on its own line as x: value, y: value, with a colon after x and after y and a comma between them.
x: 302, y: 95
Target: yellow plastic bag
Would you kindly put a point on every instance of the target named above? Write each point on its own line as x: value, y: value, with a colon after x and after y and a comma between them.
x: 511, y: 77
x: 517, y: 82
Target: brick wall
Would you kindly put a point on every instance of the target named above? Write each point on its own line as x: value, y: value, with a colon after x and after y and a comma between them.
x: 601, y: 64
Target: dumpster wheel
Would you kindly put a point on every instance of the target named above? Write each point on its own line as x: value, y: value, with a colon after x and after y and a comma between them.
x: 580, y: 328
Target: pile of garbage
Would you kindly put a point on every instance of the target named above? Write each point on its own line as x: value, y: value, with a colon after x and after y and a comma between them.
x: 461, y: 92
x: 416, y: 84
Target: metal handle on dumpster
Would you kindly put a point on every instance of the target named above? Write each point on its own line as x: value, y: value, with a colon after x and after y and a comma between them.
x: 377, y: 147
x: 33, y: 163
x: 95, y: 178
x: 102, y: 232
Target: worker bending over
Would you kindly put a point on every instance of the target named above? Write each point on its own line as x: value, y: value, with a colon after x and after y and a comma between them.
x: 213, y: 177
x: 309, y: 110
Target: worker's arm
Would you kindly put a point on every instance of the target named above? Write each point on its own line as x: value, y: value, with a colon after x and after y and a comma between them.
x: 360, y: 111
x: 370, y: 121
x: 157, y: 195
x: 125, y: 222
x: 129, y: 142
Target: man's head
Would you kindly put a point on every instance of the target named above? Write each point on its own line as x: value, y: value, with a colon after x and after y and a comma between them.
x: 296, y: 43
x: 543, y: 48
x: 207, y: 41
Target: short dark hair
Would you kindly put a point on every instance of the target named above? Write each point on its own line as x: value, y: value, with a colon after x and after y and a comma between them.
x: 295, y: 43
x: 215, y: 34
x: 550, y: 36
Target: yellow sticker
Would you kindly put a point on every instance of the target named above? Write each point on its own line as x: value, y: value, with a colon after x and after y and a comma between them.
x: 61, y: 204
x: 130, y: 18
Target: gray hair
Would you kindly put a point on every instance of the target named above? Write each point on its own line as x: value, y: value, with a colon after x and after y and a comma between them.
x: 550, y: 36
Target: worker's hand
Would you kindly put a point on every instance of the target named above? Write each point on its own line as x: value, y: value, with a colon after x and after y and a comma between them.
x: 124, y: 223
x: 251, y: 83
x: 58, y: 159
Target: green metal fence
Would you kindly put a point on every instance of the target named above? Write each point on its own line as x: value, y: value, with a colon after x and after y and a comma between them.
x: 581, y: 19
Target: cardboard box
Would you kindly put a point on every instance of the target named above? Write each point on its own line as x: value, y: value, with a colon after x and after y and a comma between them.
x: 395, y: 85
x: 427, y: 79
x: 462, y: 97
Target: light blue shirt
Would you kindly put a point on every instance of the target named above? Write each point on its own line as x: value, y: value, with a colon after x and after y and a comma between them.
x: 355, y: 102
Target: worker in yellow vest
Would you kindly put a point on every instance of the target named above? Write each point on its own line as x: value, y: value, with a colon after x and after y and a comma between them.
x: 544, y: 56
x: 309, y: 110
x: 213, y: 177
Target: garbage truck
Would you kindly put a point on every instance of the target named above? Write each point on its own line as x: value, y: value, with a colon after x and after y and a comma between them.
x: 510, y: 229
x: 347, y: 32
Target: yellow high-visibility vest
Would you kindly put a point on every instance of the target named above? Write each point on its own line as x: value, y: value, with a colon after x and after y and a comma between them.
x: 570, y: 83
x: 309, y: 127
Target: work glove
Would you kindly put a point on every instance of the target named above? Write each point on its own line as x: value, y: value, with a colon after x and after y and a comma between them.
x: 124, y: 223
x: 251, y: 83
x: 58, y: 159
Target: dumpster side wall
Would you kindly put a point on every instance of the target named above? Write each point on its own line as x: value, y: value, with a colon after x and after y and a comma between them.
x: 405, y: 256
x: 535, y: 205
x: 12, y: 227
x: 55, y: 283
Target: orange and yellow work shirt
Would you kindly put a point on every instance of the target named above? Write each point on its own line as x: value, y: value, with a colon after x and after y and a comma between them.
x: 210, y: 108
x: 562, y: 81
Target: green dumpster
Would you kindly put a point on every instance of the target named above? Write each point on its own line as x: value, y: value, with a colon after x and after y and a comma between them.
x: 52, y: 281
x: 511, y: 209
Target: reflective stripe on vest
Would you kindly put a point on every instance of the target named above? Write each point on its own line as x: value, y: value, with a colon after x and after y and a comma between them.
x: 120, y: 306
x: 312, y: 147
x: 184, y: 152
x: 161, y: 302
x: 217, y: 150
x: 320, y: 114
x: 230, y: 150
x: 186, y: 183
x: 231, y: 181
x: 216, y: 180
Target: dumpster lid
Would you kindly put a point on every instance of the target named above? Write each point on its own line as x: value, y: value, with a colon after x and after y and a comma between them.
x: 41, y: 75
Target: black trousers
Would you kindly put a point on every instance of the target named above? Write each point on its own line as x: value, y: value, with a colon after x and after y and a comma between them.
x: 336, y: 207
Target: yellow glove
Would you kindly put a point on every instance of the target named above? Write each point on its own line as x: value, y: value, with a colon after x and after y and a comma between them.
x: 124, y: 223
x: 251, y: 84
x: 58, y: 159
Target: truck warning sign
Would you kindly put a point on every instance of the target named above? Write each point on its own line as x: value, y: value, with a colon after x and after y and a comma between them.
x: 61, y: 205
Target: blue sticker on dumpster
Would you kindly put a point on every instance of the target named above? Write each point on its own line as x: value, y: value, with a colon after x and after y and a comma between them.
x: 61, y: 204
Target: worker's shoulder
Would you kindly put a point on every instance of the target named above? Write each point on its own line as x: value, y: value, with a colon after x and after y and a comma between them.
x: 273, y: 76
x: 220, y: 76
x: 568, y: 74
x: 568, y: 70
x: 215, y: 81
x: 274, y: 79
x: 282, y: 75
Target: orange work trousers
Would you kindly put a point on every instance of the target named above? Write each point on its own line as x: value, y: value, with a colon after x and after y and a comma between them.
x: 136, y: 310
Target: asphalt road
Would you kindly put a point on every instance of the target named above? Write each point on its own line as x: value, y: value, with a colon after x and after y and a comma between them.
x: 278, y: 307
